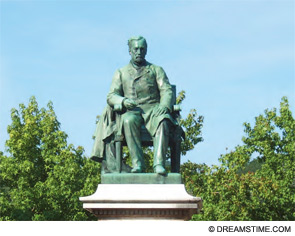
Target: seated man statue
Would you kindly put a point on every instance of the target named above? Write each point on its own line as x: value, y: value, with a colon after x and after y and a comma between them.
x: 144, y: 91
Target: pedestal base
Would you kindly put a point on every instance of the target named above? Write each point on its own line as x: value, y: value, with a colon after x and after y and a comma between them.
x: 142, y: 201
x: 141, y: 178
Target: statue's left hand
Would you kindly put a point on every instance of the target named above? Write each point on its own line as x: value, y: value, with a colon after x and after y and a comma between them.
x: 129, y: 103
x: 161, y: 110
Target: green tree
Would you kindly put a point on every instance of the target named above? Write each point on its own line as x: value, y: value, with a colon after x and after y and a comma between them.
x: 192, y: 126
x: 230, y: 193
x: 273, y: 139
x: 252, y: 166
x: 43, y: 176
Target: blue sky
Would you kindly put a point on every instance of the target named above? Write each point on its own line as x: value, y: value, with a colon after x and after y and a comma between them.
x: 234, y: 59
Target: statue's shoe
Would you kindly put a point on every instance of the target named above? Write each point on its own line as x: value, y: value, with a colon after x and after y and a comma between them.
x: 159, y: 169
x: 136, y: 170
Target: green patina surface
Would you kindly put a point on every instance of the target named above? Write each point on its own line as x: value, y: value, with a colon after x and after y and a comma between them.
x: 140, y: 178
x: 140, y: 95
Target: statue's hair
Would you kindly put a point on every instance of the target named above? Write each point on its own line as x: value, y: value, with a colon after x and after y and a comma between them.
x: 136, y: 38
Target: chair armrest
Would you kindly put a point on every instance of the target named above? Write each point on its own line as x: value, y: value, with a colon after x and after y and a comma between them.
x: 118, y: 107
x: 176, y: 108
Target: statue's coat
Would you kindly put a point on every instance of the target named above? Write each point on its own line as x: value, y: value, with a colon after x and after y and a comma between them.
x: 149, y: 87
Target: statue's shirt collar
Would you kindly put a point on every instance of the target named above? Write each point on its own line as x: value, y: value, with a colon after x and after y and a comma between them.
x: 138, y: 67
x: 137, y: 71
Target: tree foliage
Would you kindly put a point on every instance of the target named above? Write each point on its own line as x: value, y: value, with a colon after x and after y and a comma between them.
x: 267, y: 194
x: 43, y: 176
x: 252, y: 166
x: 192, y: 126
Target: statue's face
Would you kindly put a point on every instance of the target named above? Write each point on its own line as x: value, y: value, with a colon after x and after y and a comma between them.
x: 138, y: 51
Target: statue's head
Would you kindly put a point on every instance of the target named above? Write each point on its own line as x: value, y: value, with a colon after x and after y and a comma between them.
x: 137, y: 49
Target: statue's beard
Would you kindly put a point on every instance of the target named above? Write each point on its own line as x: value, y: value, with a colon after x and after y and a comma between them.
x: 139, y: 60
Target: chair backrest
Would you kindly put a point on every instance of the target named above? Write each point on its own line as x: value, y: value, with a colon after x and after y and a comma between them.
x: 174, y: 93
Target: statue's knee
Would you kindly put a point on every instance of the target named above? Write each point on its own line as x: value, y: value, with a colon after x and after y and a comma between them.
x: 164, y: 127
x: 129, y: 120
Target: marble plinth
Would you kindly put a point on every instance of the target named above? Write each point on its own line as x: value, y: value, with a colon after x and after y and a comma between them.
x: 142, y: 201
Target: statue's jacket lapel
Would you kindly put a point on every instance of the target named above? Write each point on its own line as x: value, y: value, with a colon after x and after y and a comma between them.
x: 149, y: 85
x: 140, y: 85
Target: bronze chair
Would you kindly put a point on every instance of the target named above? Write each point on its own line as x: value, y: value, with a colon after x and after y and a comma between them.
x: 176, y: 135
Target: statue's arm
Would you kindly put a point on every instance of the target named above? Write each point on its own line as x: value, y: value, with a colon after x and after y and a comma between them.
x: 165, y: 88
x: 115, y: 96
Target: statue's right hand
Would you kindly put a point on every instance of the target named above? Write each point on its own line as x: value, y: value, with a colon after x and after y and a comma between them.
x: 129, y: 103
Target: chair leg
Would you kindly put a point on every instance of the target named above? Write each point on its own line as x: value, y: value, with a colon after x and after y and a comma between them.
x: 119, y: 156
x: 175, y: 157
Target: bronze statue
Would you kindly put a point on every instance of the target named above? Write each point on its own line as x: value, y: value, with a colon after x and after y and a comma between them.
x: 143, y: 90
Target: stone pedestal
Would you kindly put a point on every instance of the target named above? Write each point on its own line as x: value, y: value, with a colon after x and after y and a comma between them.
x: 142, y: 201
